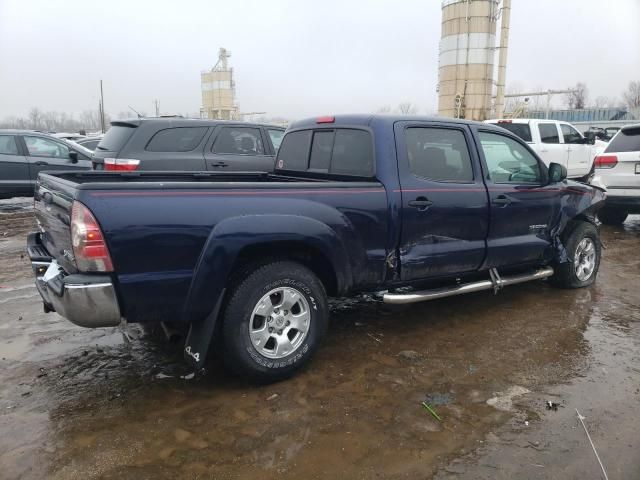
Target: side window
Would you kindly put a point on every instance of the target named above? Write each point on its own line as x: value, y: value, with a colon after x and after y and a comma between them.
x: 8, y: 145
x: 352, y: 153
x: 508, y: 161
x: 239, y: 141
x: 549, y: 133
x: 439, y: 154
x: 294, y: 151
x: 183, y: 139
x: 570, y: 134
x: 321, y: 147
x: 276, y: 138
x: 43, y: 147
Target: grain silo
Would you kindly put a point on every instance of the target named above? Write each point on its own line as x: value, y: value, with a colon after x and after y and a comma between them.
x: 219, y: 90
x: 466, y: 62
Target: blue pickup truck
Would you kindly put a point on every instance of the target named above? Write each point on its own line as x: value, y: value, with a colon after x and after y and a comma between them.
x: 413, y: 208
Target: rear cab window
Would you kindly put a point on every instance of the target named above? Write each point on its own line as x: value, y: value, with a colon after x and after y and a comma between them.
x: 115, y: 138
x: 548, y: 133
x: 627, y: 140
x: 439, y: 154
x: 520, y: 129
x: 338, y: 151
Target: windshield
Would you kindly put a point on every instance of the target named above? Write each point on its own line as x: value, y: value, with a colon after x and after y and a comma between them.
x: 520, y: 129
x: 115, y: 138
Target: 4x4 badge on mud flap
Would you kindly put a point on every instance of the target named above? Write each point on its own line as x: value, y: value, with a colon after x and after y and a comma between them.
x: 194, y: 355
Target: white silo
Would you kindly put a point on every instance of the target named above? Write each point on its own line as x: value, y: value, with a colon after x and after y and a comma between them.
x: 466, y: 62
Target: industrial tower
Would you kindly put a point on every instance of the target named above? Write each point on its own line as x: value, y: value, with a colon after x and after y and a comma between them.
x: 466, y: 62
x: 219, y: 91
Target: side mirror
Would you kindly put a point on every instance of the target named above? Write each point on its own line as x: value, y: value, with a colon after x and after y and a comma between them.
x: 557, y: 173
x: 73, y: 155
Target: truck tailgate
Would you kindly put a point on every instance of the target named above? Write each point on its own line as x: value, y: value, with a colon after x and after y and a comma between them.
x: 53, y: 199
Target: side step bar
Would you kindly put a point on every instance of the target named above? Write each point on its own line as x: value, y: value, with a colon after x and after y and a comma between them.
x: 499, y: 282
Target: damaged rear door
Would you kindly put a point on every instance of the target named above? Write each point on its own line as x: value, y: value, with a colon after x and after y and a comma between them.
x: 445, y: 208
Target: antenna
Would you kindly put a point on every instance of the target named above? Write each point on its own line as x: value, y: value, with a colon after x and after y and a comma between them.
x: 134, y: 111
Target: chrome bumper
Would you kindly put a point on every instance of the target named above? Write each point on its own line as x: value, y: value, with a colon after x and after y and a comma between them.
x: 86, y: 300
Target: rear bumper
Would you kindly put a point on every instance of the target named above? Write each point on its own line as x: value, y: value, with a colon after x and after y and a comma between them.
x: 630, y: 204
x: 86, y: 300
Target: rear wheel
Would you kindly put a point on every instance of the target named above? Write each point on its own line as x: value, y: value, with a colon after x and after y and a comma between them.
x: 609, y: 216
x: 582, y: 243
x: 273, y: 321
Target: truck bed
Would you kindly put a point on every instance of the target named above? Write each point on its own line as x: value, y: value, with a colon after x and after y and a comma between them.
x: 158, y: 225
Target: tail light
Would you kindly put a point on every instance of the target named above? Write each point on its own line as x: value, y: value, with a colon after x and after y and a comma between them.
x: 89, y: 248
x: 121, y: 164
x: 606, y: 161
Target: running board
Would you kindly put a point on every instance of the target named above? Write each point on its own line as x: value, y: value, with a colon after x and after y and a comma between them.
x: 495, y: 284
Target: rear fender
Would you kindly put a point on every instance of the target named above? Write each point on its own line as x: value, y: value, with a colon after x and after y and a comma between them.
x: 221, y: 252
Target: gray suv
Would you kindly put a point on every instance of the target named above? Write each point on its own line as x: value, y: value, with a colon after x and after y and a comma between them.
x: 24, y: 153
x: 187, y: 144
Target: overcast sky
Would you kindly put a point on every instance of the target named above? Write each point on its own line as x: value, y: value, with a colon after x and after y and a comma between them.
x: 291, y: 58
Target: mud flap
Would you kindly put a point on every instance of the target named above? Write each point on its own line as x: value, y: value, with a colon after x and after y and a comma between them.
x: 199, y: 338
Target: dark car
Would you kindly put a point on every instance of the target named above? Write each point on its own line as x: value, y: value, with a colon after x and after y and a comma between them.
x: 187, y: 144
x: 419, y: 208
x: 24, y: 153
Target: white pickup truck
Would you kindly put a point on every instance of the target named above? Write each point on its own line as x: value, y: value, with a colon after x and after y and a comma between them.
x: 556, y: 141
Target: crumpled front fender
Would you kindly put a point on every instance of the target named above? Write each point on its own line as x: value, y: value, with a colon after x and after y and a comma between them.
x: 578, y: 201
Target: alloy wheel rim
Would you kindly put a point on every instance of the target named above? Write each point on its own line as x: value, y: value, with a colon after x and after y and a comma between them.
x: 585, y: 259
x: 279, y: 322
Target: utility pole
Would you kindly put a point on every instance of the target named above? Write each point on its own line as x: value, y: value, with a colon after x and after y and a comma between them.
x: 502, y: 57
x: 157, y: 107
x: 102, y: 125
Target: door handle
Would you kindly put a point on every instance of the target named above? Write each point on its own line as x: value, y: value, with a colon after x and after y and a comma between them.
x: 421, y: 203
x: 42, y: 163
x: 219, y: 164
x: 502, y: 200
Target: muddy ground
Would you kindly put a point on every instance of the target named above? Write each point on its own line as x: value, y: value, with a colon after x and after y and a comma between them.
x: 78, y: 403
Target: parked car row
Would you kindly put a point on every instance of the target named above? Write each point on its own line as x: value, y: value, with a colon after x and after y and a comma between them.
x: 138, y: 144
x: 23, y: 154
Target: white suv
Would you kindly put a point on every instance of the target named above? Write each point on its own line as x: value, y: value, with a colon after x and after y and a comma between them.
x: 617, y: 170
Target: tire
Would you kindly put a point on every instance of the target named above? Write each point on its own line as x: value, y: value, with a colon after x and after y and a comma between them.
x: 582, y: 243
x: 280, y: 296
x: 609, y: 216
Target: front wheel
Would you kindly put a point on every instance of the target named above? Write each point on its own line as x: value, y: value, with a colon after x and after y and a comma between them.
x: 273, y: 321
x: 582, y: 244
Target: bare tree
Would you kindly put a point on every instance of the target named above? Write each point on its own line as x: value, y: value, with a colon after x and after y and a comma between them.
x: 384, y: 109
x: 35, y: 118
x: 407, y: 108
x: 604, y: 102
x: 632, y: 95
x: 578, y: 98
